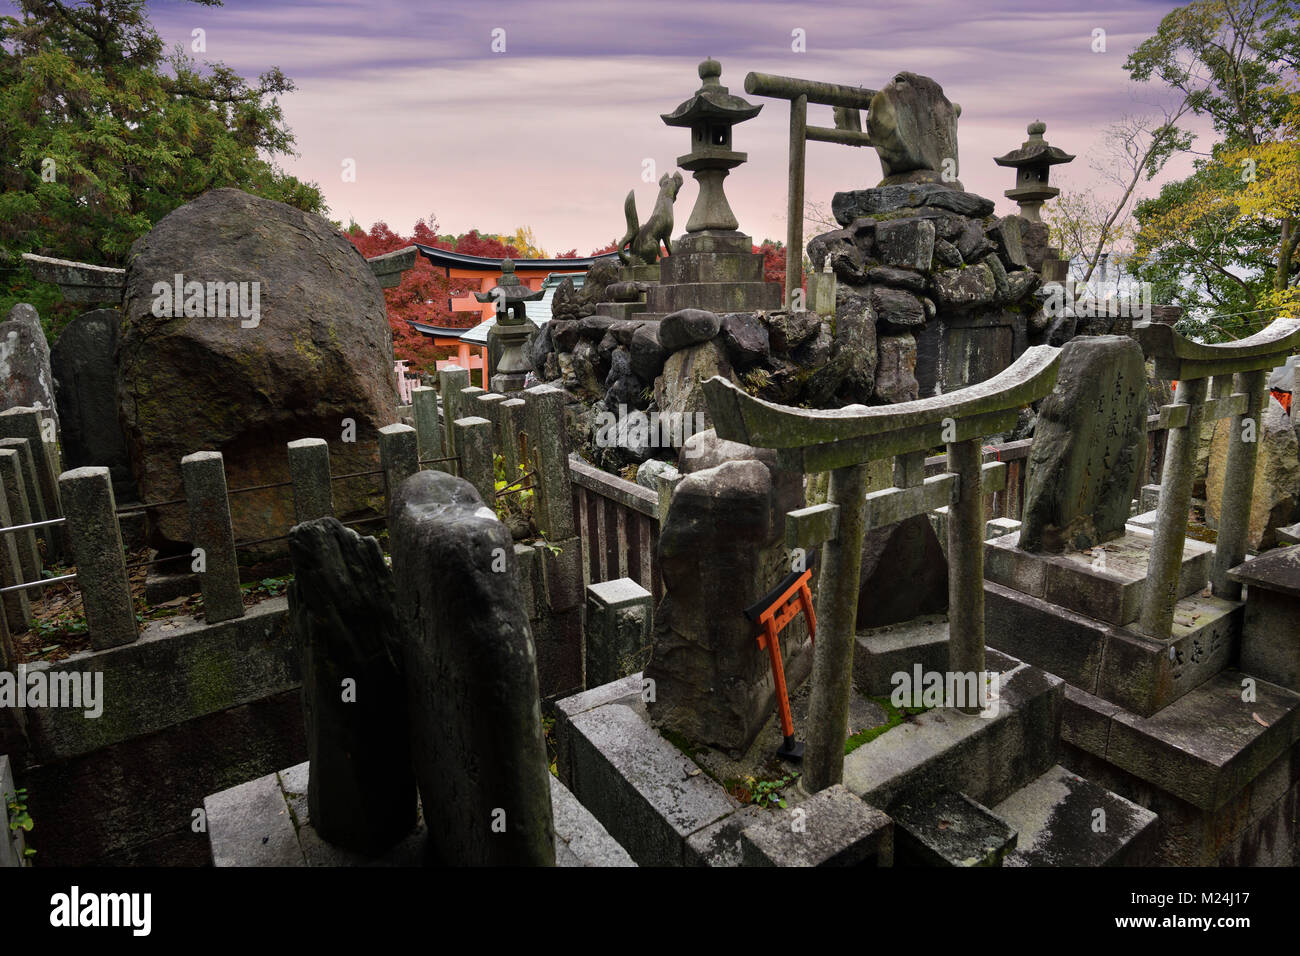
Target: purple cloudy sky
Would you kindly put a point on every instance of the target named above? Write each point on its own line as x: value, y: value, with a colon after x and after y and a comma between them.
x: 552, y: 133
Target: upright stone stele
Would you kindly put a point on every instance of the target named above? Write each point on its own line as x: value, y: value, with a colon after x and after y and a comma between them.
x: 1089, y: 446
x: 474, y: 441
x: 1242, y: 458
x: 96, y: 545
x: 471, y: 672
x: 204, y: 475
x: 342, y: 611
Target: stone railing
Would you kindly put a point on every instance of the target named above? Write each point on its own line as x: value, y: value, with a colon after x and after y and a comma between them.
x: 618, y: 522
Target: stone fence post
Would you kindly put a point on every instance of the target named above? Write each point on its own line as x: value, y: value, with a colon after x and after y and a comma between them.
x: 474, y: 441
x: 451, y: 381
x: 309, y: 470
x: 399, y: 457
x: 204, y: 474
x: 95, y: 541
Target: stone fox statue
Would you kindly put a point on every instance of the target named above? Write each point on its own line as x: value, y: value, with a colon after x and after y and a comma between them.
x: 641, y: 243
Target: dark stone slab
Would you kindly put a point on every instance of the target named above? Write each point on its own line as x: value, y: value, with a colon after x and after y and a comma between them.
x: 950, y: 829
x: 847, y: 206
x: 342, y: 612
x: 471, y: 672
x: 904, y: 573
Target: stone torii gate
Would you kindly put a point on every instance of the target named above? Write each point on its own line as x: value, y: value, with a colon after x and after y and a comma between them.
x: 1240, y: 374
x: 843, y: 442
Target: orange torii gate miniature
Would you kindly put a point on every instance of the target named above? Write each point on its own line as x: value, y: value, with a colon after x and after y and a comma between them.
x: 772, y: 613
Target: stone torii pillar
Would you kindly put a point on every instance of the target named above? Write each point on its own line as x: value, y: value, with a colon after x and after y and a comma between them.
x: 842, y: 441
x: 1192, y: 364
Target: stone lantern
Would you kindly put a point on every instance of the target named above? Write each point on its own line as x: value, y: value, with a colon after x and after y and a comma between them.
x: 512, y: 328
x: 710, y: 114
x: 1032, y: 161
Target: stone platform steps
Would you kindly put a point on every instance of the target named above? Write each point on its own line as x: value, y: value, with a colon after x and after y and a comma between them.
x: 1220, y: 766
x: 665, y: 806
x: 266, y: 822
x: 1065, y: 820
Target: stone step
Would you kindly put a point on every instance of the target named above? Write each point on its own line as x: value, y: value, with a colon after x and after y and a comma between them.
x: 1107, y: 587
x: 882, y: 652
x: 1065, y: 820
x: 1205, y: 748
x: 988, y: 756
x: 830, y: 828
x: 1117, y: 664
x: 950, y: 829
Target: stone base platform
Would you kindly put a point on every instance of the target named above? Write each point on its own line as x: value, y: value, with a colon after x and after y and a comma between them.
x: 666, y: 802
x: 265, y: 822
x: 1105, y: 583
x: 1117, y: 664
x: 1220, y: 767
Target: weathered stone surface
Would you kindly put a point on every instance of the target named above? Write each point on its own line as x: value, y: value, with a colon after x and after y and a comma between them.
x: 908, y: 243
x: 85, y: 388
x: 844, y: 253
x: 904, y: 573
x: 746, y: 338
x: 1005, y: 234
x: 687, y: 327
x: 1277, y: 476
x: 1035, y: 239
x: 320, y: 352
x: 913, y: 128
x: 538, y: 348
x: 648, y: 474
x: 948, y: 255
x: 564, y: 334
x: 895, y: 307
x: 1089, y: 445
x: 849, y: 375
x: 720, y: 549
x: 471, y: 672
x: 848, y: 206
x: 680, y: 389
x: 902, y: 278
x: 788, y: 330
x: 896, y: 369
x: 342, y: 613
x: 647, y: 354
x: 964, y: 288
x: 837, y: 829
x: 593, y: 327
x: 25, y: 375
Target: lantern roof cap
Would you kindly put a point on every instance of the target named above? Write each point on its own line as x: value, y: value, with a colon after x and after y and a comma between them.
x: 712, y: 101
x: 1035, y: 151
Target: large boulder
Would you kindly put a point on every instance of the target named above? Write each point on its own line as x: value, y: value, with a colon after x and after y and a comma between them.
x: 1277, y: 476
x: 687, y: 327
x: 1089, y: 445
x: 308, y: 354
x: 25, y: 376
